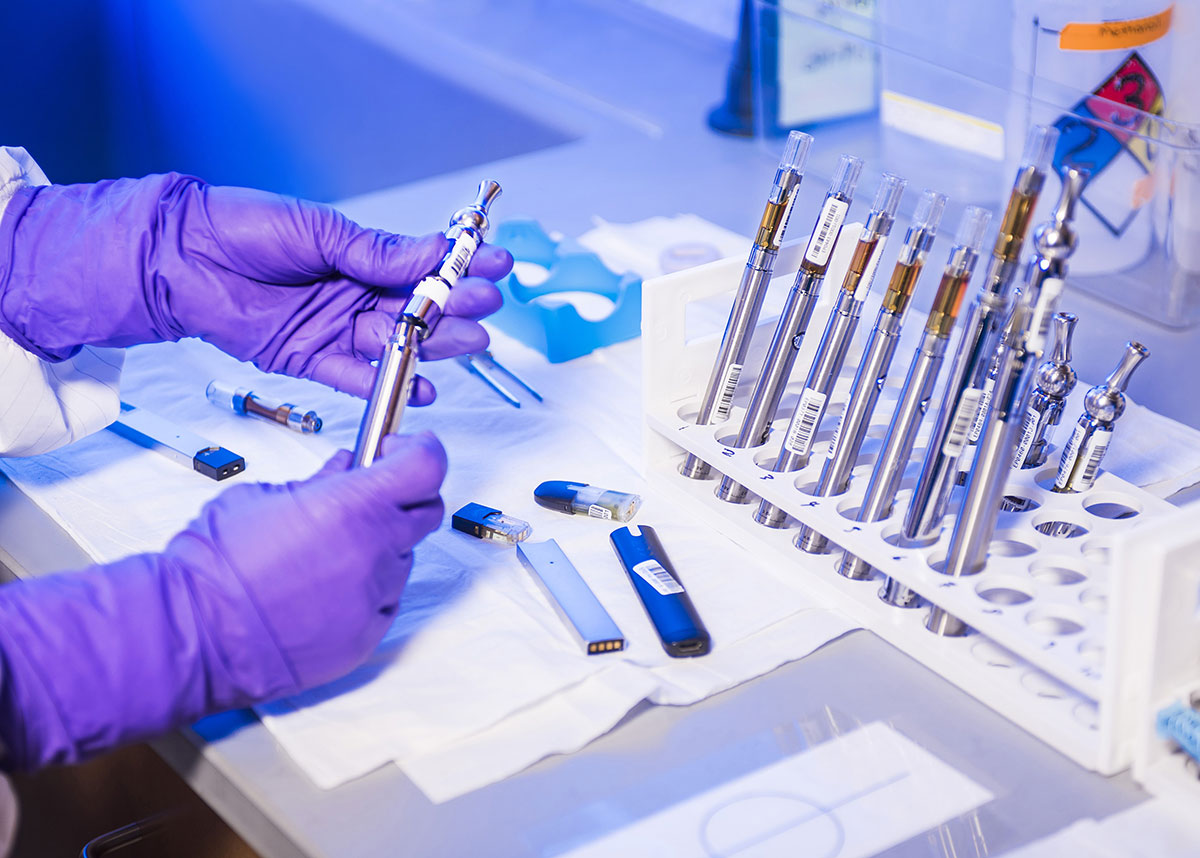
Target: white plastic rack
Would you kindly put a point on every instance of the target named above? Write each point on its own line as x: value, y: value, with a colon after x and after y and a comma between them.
x: 1042, y: 650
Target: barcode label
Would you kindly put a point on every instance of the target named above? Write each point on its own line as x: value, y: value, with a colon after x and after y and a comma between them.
x: 804, y: 423
x: 1033, y: 417
x: 777, y: 238
x: 455, y: 264
x: 826, y: 233
x: 1067, y: 465
x: 837, y: 437
x: 728, y: 386
x: 1093, y: 452
x: 964, y: 414
x: 656, y: 575
x: 981, y: 412
x: 868, y: 277
x: 597, y: 511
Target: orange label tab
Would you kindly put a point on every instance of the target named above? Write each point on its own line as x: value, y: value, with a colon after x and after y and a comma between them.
x: 1112, y: 35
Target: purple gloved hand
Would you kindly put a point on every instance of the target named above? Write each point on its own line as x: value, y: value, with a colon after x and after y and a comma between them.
x: 294, y: 286
x: 272, y: 589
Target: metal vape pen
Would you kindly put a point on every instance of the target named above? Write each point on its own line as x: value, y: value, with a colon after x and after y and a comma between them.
x: 835, y: 342
x: 1020, y: 353
x: 805, y: 292
x: 918, y: 385
x: 398, y: 363
x: 731, y: 356
x: 964, y: 384
x: 1102, y: 405
x: 1053, y: 383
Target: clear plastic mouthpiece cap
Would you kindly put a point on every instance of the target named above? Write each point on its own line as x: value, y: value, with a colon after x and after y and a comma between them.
x: 845, y: 176
x: 795, y: 152
x: 972, y: 227
x: 887, y: 198
x: 1039, y: 147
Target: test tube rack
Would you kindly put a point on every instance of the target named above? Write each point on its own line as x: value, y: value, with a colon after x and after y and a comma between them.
x: 1043, y: 651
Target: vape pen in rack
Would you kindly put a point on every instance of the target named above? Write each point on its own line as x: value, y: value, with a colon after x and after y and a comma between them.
x: 398, y: 362
x: 747, y: 303
x: 864, y: 396
x: 1020, y: 352
x: 1103, y: 404
x: 961, y: 401
x: 831, y: 353
x: 1053, y: 383
x: 805, y: 293
x: 918, y: 384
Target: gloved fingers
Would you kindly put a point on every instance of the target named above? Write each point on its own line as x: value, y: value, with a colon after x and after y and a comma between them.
x: 410, y: 470
x: 471, y: 297
x: 336, y: 464
x: 355, y: 376
x: 455, y: 336
x: 491, y: 262
x: 383, y: 259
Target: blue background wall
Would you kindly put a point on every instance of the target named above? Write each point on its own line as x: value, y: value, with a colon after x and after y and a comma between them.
x: 248, y: 92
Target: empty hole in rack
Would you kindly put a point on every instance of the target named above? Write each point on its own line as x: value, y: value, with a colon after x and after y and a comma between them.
x: 1097, y: 552
x: 1046, y: 478
x: 1111, y: 505
x: 1092, y: 652
x: 1004, y: 590
x: 1057, y: 571
x: 765, y: 456
x: 1036, y: 682
x: 993, y: 655
x: 1018, y: 503
x: 1009, y: 544
x: 1094, y: 599
x: 1053, y: 624
x: 1050, y: 524
x: 689, y: 412
x: 1087, y: 713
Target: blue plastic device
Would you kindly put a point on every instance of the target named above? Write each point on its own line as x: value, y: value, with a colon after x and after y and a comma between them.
x: 559, y: 332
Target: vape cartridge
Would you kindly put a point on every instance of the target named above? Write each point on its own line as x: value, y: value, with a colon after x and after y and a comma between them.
x: 398, y: 363
x: 1020, y: 352
x: 1102, y: 405
x: 918, y: 385
x: 869, y: 380
x: 487, y: 523
x: 806, y: 291
x: 243, y: 400
x: 962, y: 400
x: 835, y: 342
x: 582, y: 499
x: 731, y: 356
x: 1054, y: 381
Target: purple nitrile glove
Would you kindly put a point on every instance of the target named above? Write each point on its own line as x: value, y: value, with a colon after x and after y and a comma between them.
x: 294, y: 286
x: 272, y: 589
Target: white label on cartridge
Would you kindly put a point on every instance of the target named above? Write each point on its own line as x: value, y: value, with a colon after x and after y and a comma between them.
x: 456, y: 261
x: 435, y: 289
x: 1033, y: 417
x: 1069, y: 457
x: 1093, y: 452
x: 804, y: 423
x: 985, y: 401
x: 597, y: 511
x: 964, y: 414
x: 821, y: 243
x: 728, y: 386
x: 777, y: 238
x: 656, y: 575
x: 868, y: 275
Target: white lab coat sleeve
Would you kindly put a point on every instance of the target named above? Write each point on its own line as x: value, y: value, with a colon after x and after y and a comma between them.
x: 47, y: 405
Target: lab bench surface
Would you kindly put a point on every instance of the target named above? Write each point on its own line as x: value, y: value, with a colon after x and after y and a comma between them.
x: 655, y: 757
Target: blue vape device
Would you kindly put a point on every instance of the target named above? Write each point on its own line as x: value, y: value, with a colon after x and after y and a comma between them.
x: 666, y: 601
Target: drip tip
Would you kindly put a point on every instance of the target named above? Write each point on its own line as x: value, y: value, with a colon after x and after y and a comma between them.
x: 1064, y: 330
